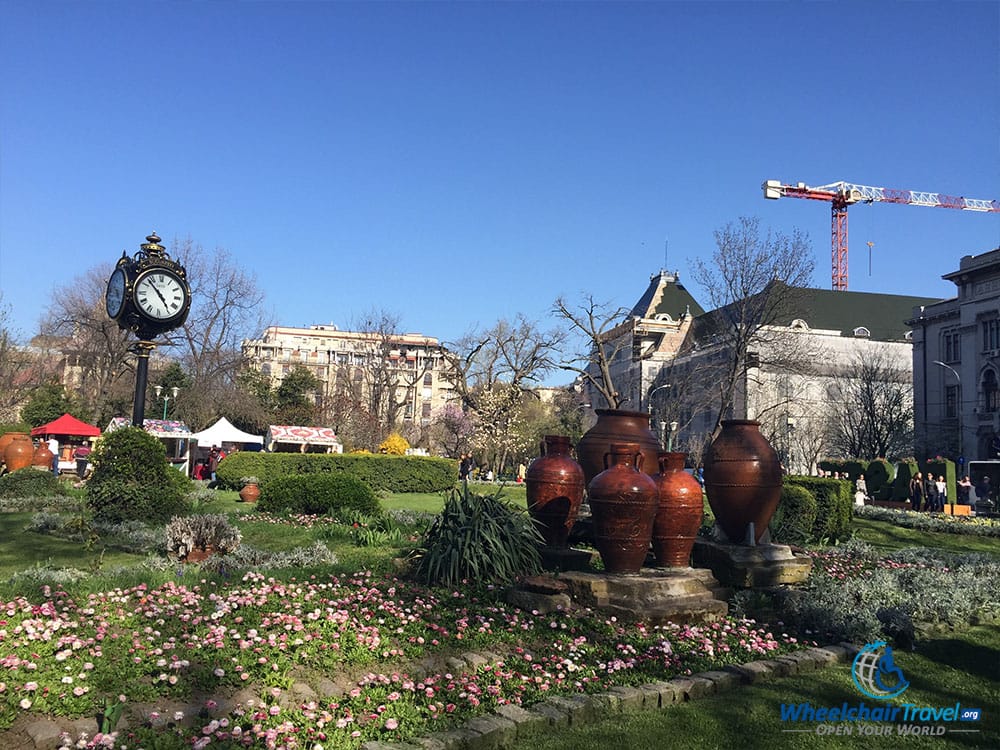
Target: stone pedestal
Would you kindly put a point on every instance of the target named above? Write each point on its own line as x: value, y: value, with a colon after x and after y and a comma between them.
x: 751, y: 567
x: 653, y: 595
x: 565, y: 558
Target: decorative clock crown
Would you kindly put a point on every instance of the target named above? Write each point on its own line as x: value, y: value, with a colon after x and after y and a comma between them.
x: 152, y: 246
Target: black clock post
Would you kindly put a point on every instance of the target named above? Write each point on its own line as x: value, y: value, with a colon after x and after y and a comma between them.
x: 148, y: 294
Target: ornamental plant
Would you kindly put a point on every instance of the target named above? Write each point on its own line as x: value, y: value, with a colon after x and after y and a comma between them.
x: 132, y: 479
x: 203, y: 532
x: 29, y: 482
x: 322, y: 494
x: 394, y: 445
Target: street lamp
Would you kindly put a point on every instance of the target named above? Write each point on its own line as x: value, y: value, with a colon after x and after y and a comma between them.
x: 159, y: 389
x: 649, y: 396
x: 670, y: 438
x: 958, y: 405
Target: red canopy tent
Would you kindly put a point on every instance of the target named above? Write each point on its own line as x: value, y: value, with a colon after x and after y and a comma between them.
x: 68, y: 425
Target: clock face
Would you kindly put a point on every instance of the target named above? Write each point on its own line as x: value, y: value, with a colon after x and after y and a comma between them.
x: 114, y: 298
x: 160, y: 294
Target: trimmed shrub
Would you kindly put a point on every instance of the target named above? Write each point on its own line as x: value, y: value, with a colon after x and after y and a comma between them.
x: 380, y: 472
x: 795, y: 518
x: 945, y: 467
x: 834, y: 505
x: 394, y: 445
x: 855, y: 468
x: 878, y: 479
x: 318, y: 494
x: 905, y: 471
x: 132, y: 480
x: 30, y: 482
x: 478, y: 538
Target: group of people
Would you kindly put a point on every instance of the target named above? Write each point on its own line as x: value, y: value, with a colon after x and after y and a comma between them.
x: 928, y: 494
x: 205, y: 470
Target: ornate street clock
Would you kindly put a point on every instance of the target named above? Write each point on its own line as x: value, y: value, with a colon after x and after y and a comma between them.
x: 148, y: 294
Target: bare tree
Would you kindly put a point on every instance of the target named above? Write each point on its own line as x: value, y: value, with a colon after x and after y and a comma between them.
x: 872, y: 414
x: 755, y: 282
x: 601, y: 333
x: 97, y: 365
x: 226, y: 308
x: 20, y: 369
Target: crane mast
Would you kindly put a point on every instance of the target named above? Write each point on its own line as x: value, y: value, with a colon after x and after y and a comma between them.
x: 841, y: 195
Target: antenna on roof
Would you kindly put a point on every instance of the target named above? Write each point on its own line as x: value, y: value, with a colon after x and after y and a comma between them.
x: 666, y: 247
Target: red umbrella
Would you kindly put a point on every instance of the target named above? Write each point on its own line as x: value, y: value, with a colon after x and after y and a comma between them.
x: 67, y: 425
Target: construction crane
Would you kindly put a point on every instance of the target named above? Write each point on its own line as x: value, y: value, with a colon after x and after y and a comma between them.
x: 843, y: 194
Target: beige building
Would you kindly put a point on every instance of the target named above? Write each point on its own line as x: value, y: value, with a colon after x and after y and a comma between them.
x: 410, y: 367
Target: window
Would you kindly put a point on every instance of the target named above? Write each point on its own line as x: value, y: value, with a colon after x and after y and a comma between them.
x: 425, y: 410
x: 862, y: 332
x: 952, y: 346
x: 428, y: 378
x: 951, y: 401
x: 991, y: 335
x: 991, y: 400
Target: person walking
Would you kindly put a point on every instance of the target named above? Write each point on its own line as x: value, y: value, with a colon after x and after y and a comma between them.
x: 917, y: 492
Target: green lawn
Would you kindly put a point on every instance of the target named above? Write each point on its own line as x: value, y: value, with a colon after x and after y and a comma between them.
x: 886, y: 536
x: 962, y: 667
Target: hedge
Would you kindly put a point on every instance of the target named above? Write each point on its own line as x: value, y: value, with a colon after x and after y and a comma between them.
x: 878, y: 479
x: 795, y: 518
x: 319, y: 494
x: 945, y: 467
x: 380, y: 472
x: 834, y: 505
x: 905, y: 471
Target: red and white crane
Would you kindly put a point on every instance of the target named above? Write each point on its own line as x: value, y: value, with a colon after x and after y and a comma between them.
x: 843, y: 194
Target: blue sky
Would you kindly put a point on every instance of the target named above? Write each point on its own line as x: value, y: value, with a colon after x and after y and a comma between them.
x: 460, y: 162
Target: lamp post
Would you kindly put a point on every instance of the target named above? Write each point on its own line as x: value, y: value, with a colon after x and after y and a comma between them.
x: 958, y: 377
x: 670, y: 437
x: 159, y: 389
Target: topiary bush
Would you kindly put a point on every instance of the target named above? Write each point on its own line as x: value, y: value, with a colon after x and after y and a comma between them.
x: 382, y: 473
x: 30, y: 482
x: 905, y: 471
x: 318, y: 494
x: 834, y: 505
x: 478, y: 538
x: 795, y: 518
x: 878, y: 479
x: 132, y: 479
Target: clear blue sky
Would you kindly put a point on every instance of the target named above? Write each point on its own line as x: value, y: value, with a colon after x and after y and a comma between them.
x: 461, y: 162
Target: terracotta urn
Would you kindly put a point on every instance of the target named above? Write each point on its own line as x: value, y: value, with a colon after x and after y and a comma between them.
x: 678, y: 516
x: 554, y: 487
x: 250, y: 493
x: 198, y: 554
x: 623, y: 502
x: 742, y: 479
x: 616, y: 426
x: 6, y: 439
x: 42, y: 457
x: 17, y: 454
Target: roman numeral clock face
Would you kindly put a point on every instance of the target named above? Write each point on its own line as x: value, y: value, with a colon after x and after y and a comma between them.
x: 160, y: 295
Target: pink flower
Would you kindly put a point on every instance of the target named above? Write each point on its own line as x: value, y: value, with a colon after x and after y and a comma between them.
x: 391, y: 724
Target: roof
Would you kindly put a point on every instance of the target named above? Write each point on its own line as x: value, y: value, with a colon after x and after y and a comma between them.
x: 67, y: 425
x: 223, y: 431
x: 302, y: 435
x: 157, y: 427
x: 665, y: 295
x: 883, y: 315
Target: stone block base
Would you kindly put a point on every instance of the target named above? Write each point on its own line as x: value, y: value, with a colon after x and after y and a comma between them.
x: 751, y: 567
x: 565, y: 558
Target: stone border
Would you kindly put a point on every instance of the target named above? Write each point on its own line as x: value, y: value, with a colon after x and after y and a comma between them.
x: 503, y: 728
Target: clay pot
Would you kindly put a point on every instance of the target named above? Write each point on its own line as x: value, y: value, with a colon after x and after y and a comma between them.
x: 197, y: 554
x: 616, y: 426
x: 742, y: 479
x: 17, y: 454
x: 554, y: 487
x: 678, y: 516
x: 623, y: 502
x: 6, y: 439
x: 42, y: 457
x: 250, y: 493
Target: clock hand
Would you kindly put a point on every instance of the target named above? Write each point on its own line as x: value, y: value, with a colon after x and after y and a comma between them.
x: 159, y: 294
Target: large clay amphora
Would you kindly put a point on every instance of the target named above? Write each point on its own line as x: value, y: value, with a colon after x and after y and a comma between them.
x: 616, y: 426
x: 17, y: 455
x: 678, y: 516
x: 742, y: 479
x: 554, y: 486
x: 42, y: 457
x: 623, y: 503
x: 6, y: 439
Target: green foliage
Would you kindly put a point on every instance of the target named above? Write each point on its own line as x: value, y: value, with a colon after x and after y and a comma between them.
x: 945, y: 467
x: 834, y: 505
x: 30, y: 482
x: 132, y: 479
x: 382, y: 473
x: 330, y: 494
x: 16, y: 427
x: 478, y: 538
x: 878, y: 478
x: 795, y: 518
x: 293, y: 398
x: 47, y: 403
x: 905, y: 471
x: 855, y: 468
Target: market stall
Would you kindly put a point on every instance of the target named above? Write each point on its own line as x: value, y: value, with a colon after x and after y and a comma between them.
x: 223, y: 434
x: 71, y: 433
x: 176, y: 437
x: 295, y: 439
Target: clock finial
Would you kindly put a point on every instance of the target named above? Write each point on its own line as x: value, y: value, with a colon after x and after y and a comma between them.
x: 153, y: 246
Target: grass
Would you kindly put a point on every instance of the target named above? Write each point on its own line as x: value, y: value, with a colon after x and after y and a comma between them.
x: 886, y: 536
x: 957, y: 668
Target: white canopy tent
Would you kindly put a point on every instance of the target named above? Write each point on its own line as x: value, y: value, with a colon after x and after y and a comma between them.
x: 223, y: 431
